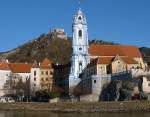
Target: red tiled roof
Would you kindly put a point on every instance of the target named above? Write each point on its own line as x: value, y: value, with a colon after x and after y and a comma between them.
x: 129, y: 60
x: 104, y: 60
x: 113, y: 50
x: 46, y: 64
x: 4, y: 66
x: 20, y: 68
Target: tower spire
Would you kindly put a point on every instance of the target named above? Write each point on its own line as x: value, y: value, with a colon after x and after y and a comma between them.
x: 79, y: 4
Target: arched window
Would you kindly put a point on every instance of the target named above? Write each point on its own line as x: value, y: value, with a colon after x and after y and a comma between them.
x: 80, y: 18
x: 80, y: 33
x: 80, y: 66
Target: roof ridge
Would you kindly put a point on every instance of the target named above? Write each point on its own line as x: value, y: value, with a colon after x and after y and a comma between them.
x: 112, y: 50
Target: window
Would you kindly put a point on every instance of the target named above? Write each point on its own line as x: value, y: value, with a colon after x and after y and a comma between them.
x: 34, y: 73
x: 80, y: 18
x: 80, y: 66
x: 7, y: 81
x: 34, y: 79
x: 94, y: 81
x: 80, y: 33
x: 42, y: 79
x: 51, y: 72
x: 46, y: 72
x: 46, y: 79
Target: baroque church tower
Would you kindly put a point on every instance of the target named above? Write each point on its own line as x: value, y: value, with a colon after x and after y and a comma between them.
x: 80, y: 57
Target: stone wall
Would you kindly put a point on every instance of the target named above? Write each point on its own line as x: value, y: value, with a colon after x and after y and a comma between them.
x: 98, y: 82
x: 74, y: 85
x: 89, y: 98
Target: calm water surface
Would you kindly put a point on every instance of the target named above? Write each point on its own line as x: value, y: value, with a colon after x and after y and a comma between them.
x: 48, y: 114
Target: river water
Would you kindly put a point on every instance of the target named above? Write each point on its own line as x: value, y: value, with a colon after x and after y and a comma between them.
x: 49, y: 114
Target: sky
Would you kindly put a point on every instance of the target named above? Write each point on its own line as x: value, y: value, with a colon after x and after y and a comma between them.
x: 121, y: 21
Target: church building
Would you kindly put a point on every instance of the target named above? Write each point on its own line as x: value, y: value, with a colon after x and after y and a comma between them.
x: 94, y: 65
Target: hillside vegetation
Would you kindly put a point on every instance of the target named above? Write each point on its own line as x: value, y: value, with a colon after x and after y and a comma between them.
x: 146, y: 54
x: 56, y: 49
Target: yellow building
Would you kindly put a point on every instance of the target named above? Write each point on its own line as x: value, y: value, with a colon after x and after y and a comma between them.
x: 46, y: 75
x: 107, y: 62
x: 112, y: 59
x: 110, y: 65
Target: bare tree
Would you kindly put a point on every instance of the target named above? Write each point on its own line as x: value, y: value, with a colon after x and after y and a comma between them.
x: 15, y: 86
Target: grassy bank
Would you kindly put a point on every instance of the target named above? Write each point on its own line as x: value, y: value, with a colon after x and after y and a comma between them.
x: 136, y: 106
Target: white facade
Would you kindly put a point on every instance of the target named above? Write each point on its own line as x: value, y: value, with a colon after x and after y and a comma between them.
x: 80, y: 48
x: 98, y: 81
x: 35, y: 80
x: 32, y: 77
x: 146, y: 85
x: 92, y: 87
x: 23, y: 76
x: 60, y: 33
x: 4, y: 76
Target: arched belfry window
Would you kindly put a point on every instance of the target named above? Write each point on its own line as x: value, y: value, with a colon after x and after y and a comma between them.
x: 80, y: 33
x: 79, y: 18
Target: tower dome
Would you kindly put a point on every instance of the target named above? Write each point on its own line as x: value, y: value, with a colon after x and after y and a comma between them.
x: 79, y: 17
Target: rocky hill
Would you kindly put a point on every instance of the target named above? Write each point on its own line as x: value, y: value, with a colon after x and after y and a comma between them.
x: 49, y: 45
x: 59, y: 50
x: 146, y: 54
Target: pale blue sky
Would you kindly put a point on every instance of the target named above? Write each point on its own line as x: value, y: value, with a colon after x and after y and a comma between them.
x: 121, y: 21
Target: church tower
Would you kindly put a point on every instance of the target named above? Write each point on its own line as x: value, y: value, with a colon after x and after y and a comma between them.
x: 80, y: 46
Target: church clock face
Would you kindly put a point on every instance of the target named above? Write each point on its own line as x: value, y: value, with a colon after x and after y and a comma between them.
x: 80, y: 48
x: 80, y: 25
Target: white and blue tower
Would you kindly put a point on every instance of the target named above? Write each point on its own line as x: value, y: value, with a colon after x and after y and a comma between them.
x: 80, y: 45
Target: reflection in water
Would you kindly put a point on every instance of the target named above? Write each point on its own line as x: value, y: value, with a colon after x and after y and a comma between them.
x: 49, y: 114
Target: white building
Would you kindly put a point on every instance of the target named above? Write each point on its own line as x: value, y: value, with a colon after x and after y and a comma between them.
x: 146, y: 85
x: 59, y: 33
x: 4, y: 76
x: 11, y: 73
x: 35, y: 78
x: 22, y: 70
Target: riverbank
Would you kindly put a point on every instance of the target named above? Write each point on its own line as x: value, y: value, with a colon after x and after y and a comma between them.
x: 134, y: 106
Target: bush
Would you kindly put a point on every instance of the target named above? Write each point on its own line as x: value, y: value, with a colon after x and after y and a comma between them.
x: 54, y: 95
